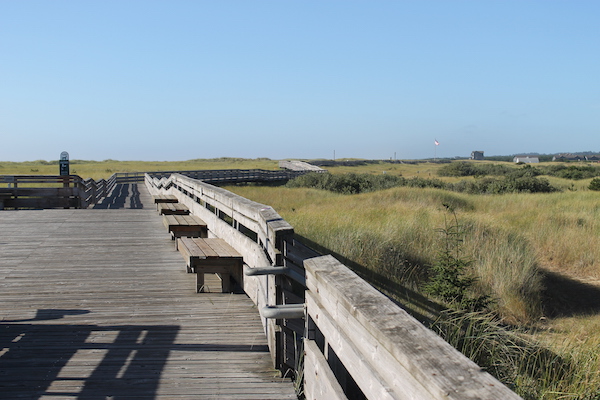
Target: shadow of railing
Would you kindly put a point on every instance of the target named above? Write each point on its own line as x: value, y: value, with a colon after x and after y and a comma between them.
x: 87, y: 361
x: 567, y: 297
x: 419, y: 306
x: 81, y: 361
x: 118, y: 197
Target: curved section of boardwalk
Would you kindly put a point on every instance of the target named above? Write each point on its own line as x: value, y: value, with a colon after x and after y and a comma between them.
x: 97, y: 304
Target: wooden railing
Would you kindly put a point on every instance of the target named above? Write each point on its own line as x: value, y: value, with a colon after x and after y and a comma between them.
x: 52, y: 191
x: 353, y: 341
x: 253, y: 229
x: 218, y: 176
x: 39, y: 191
x: 375, y: 349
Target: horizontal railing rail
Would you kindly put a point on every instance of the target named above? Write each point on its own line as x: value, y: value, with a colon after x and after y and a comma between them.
x: 52, y: 191
x: 225, y: 176
x: 39, y: 191
x: 85, y: 192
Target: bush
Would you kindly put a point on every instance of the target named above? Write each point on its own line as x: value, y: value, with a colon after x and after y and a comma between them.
x: 575, y: 172
x: 458, y: 169
x: 348, y: 183
x: 450, y: 279
x: 470, y: 169
x: 523, y: 181
x: 594, y: 184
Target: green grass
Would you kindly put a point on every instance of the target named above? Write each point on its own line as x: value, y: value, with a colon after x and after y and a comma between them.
x: 512, y: 239
x: 104, y: 169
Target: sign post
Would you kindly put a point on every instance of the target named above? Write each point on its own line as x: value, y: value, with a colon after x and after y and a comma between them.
x: 64, y: 168
x: 64, y: 164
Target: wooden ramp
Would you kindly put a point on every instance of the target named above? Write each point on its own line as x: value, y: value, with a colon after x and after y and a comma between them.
x: 97, y: 304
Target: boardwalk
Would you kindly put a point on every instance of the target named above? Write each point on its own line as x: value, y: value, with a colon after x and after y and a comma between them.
x: 96, y: 304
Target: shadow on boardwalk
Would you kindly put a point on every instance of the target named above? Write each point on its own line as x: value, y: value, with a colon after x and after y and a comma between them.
x: 82, y: 361
x: 89, y: 361
x: 124, y: 195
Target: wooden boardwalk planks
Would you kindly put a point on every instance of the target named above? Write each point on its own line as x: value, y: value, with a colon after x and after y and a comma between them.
x: 98, y: 304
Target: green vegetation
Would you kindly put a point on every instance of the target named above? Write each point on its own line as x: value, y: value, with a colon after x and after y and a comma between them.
x: 508, y: 245
x: 451, y: 279
x: 515, y: 182
x: 562, y: 170
x: 464, y: 168
x: 594, y: 184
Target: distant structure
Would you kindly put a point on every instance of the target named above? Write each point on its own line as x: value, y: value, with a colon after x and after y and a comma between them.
x: 574, y: 157
x: 299, y: 166
x: 526, y: 159
x: 477, y: 155
x: 568, y: 157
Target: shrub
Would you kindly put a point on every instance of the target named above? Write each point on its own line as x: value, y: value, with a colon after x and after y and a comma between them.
x: 575, y: 172
x: 471, y: 169
x: 594, y: 184
x: 451, y: 280
x: 522, y: 181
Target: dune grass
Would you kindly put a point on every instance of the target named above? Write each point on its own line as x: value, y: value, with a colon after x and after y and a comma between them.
x: 512, y: 240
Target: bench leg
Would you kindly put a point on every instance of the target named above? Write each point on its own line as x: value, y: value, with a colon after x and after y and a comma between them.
x: 199, y: 282
x: 225, y: 283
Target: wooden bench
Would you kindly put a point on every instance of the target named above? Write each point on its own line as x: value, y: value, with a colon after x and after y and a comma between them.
x: 172, y: 209
x: 165, y: 198
x: 185, y: 225
x: 211, y: 256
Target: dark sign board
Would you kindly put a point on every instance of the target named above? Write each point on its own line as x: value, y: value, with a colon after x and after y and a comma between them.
x: 64, y: 163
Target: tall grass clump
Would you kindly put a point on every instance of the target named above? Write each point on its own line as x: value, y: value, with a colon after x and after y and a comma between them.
x: 524, y: 364
x: 395, y: 233
x: 563, y: 228
x: 506, y: 266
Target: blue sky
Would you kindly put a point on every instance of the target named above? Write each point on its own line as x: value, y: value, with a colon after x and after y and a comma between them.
x: 178, y: 80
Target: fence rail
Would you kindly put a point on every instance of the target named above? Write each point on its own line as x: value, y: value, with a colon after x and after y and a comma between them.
x: 219, y: 176
x: 80, y: 193
x: 52, y: 191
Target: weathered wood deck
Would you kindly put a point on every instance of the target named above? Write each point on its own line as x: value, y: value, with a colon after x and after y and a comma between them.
x: 97, y: 304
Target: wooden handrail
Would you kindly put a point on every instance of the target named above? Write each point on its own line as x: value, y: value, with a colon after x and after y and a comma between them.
x: 77, y: 192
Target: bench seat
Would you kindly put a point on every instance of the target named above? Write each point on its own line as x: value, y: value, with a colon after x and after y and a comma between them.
x: 165, y: 198
x: 211, y: 256
x: 172, y: 209
x: 185, y: 225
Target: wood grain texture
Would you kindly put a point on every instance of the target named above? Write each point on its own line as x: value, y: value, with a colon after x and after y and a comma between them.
x: 98, y: 304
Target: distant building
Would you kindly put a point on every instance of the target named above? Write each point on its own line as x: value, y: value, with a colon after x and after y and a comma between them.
x: 526, y: 159
x: 477, y: 155
x: 568, y: 157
